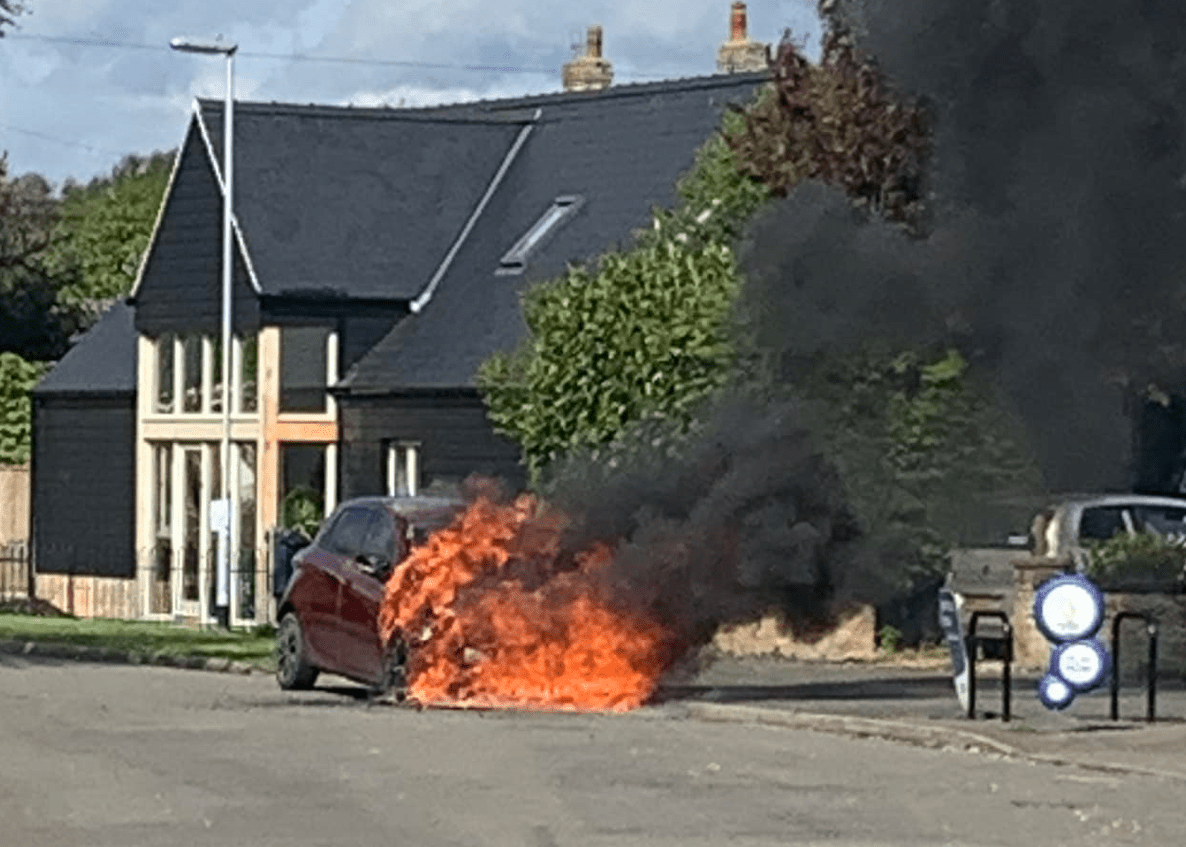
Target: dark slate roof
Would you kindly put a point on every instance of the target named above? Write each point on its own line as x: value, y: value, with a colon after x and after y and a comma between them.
x: 102, y: 362
x: 359, y: 203
x: 622, y: 150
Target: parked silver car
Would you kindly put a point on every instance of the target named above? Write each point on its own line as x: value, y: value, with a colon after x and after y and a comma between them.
x: 1064, y: 529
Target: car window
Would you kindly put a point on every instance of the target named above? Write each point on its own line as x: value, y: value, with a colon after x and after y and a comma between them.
x: 424, y: 524
x: 349, y: 531
x: 380, y: 539
x: 1099, y: 523
x: 1162, y: 519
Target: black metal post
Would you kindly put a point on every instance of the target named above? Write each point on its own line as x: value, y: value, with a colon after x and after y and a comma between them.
x: 973, y: 642
x: 1151, y: 671
x: 1151, y: 688
x: 970, y: 648
x: 1007, y: 675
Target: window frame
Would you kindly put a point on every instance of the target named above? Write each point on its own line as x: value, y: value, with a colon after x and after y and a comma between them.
x: 397, y: 453
x: 514, y: 260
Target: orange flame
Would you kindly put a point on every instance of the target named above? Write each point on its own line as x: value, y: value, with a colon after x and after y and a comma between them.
x: 495, y: 616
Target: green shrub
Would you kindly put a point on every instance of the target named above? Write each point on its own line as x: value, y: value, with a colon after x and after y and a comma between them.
x: 1143, y: 556
x: 890, y: 638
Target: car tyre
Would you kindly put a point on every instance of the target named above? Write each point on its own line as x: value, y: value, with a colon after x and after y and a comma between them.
x: 394, y: 687
x: 293, y: 671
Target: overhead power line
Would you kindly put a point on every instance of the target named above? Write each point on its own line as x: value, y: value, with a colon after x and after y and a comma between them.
x: 59, y: 140
x: 287, y: 57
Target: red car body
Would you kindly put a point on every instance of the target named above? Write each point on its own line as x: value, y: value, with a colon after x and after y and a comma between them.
x: 328, y: 613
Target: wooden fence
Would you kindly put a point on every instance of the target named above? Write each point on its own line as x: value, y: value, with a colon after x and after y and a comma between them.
x: 14, y: 503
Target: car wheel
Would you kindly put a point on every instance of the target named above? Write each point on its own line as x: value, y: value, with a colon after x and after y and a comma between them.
x: 293, y: 670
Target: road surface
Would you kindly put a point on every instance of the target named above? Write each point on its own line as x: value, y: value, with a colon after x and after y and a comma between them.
x: 125, y: 756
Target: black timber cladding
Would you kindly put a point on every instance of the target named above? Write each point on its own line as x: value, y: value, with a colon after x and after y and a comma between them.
x: 84, y: 471
x: 621, y: 151
x: 357, y: 203
x: 455, y: 437
x: 84, y: 484
x: 181, y: 288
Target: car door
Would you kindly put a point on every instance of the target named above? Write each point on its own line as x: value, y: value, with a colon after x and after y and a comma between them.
x: 333, y: 555
x: 362, y: 594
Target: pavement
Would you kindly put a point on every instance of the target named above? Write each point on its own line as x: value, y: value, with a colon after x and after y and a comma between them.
x: 915, y: 702
x: 900, y: 699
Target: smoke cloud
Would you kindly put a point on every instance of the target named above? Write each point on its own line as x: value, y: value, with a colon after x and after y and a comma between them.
x: 1051, y: 263
x: 1058, y: 199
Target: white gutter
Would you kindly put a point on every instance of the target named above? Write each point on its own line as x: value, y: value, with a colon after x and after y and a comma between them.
x: 222, y: 191
x: 421, y: 301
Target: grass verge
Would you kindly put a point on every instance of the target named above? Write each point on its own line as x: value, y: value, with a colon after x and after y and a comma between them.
x: 145, y: 638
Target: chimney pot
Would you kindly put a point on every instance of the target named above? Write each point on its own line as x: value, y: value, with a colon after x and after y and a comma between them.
x: 739, y: 54
x: 590, y: 72
x: 738, y: 23
x: 593, y: 42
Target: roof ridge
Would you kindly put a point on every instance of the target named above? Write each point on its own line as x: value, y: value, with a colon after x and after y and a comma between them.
x: 493, y: 110
x: 419, y: 115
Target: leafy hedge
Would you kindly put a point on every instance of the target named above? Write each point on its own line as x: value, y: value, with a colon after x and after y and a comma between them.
x: 17, y: 378
x: 1140, y: 557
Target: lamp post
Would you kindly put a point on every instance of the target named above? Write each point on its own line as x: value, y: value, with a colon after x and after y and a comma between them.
x: 226, y: 513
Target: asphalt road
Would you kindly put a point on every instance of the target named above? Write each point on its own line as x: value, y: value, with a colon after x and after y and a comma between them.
x: 114, y: 755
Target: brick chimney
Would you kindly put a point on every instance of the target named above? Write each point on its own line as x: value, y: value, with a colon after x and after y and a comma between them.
x: 739, y: 54
x: 590, y: 72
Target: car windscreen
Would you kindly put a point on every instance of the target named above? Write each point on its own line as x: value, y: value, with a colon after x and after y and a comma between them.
x: 421, y: 525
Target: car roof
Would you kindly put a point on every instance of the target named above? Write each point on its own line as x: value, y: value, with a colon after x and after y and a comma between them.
x: 407, y: 505
x: 1088, y: 501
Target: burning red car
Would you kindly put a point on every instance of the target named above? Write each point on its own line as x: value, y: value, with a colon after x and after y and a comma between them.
x: 328, y: 614
x: 474, y: 605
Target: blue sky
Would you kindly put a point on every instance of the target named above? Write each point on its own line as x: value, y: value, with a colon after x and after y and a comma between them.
x: 70, y: 109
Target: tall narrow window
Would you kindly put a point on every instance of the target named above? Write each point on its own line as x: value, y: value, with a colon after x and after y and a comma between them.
x: 515, y: 259
x: 244, y: 582
x: 191, y: 363
x: 304, y: 368
x: 216, y: 386
x: 248, y: 374
x: 302, y: 486
x: 403, y: 469
x: 164, y: 374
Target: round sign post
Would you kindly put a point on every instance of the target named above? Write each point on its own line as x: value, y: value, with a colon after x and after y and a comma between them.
x: 1069, y: 611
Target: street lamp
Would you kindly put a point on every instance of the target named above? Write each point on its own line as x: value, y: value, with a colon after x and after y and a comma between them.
x: 225, y: 512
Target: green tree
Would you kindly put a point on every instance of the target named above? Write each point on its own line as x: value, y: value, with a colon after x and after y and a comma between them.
x: 62, y: 261
x: 10, y: 10
x: 105, y: 227
x: 32, y: 322
x: 928, y: 458
x: 17, y: 378
x: 841, y: 122
x: 643, y: 333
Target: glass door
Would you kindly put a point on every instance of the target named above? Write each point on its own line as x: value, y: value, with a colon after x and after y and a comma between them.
x: 191, y: 546
x: 160, y: 588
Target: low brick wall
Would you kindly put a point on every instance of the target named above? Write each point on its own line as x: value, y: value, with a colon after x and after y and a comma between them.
x: 1170, y: 612
x: 1032, y: 650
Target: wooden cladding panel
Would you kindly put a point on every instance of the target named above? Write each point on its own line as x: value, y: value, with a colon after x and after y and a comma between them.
x: 91, y: 596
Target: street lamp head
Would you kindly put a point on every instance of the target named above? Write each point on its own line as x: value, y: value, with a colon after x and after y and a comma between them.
x: 203, y: 45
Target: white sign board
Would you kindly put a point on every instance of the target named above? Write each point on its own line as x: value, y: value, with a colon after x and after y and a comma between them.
x: 220, y: 516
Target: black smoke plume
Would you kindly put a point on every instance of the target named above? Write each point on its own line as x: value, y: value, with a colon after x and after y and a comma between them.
x: 1052, y: 260
x: 1055, y: 253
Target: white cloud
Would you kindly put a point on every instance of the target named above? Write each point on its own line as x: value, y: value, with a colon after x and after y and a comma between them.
x: 93, y: 98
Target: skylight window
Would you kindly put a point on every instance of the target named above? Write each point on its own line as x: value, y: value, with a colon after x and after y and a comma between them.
x: 515, y: 259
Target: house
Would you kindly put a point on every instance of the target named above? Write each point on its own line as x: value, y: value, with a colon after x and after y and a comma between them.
x: 380, y: 256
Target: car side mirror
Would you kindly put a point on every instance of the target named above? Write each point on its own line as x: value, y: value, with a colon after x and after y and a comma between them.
x: 372, y: 565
